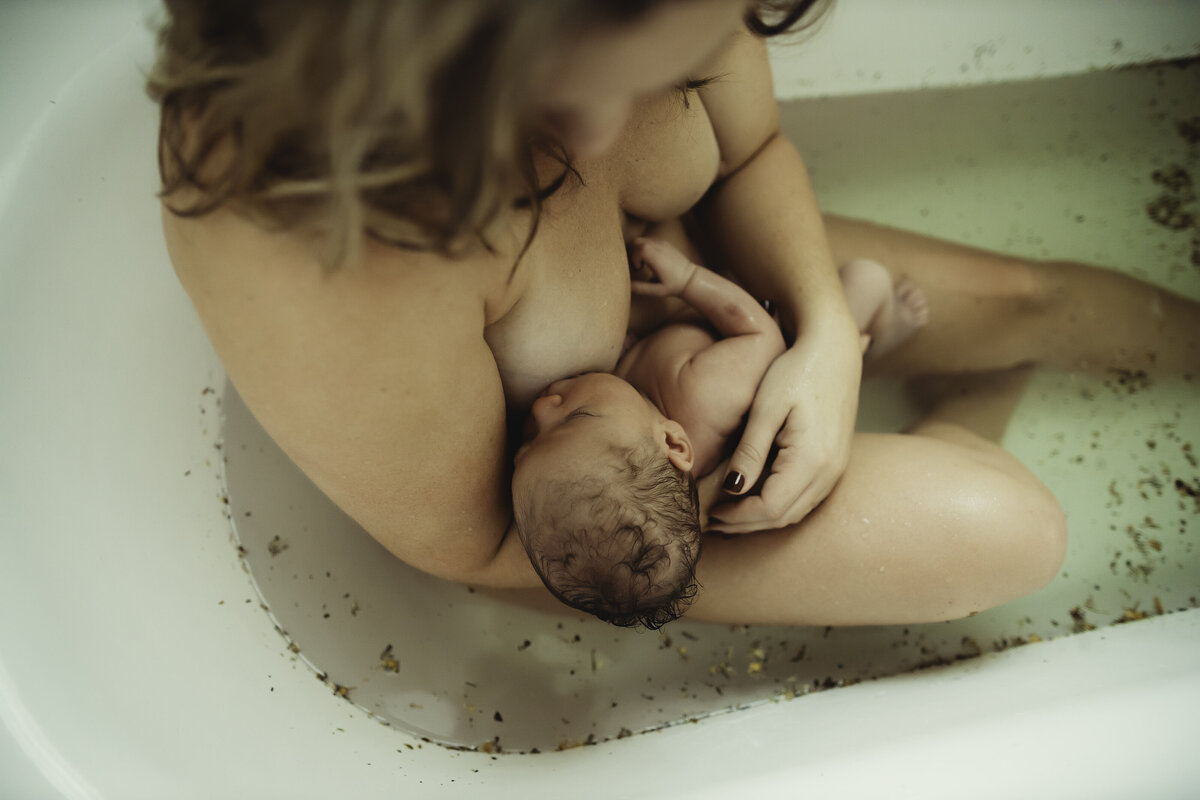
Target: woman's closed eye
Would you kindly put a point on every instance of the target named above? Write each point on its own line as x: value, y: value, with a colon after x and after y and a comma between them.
x: 690, y: 86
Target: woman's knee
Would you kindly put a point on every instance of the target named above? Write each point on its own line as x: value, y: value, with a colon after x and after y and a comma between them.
x: 1015, y: 526
x: 1022, y: 530
x: 1026, y: 287
x: 1044, y: 538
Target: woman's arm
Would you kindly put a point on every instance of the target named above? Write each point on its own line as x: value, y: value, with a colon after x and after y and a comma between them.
x: 765, y: 226
x: 376, y: 380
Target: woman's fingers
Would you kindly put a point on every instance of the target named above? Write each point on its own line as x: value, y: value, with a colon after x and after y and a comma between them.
x: 765, y: 512
x: 804, y: 471
x: 790, y: 492
x: 805, y: 404
x: 748, y: 460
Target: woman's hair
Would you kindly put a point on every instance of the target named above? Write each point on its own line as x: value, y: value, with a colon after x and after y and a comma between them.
x: 405, y: 119
x: 621, y: 544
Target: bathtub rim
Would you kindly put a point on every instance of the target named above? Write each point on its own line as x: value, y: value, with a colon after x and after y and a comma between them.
x: 142, y: 760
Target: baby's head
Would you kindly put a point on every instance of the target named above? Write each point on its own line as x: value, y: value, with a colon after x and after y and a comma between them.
x: 605, y: 503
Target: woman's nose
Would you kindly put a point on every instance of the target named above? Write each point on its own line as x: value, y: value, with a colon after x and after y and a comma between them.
x: 590, y: 133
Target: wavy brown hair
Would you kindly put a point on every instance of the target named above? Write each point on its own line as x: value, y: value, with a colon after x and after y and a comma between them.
x: 622, y: 543
x: 404, y: 119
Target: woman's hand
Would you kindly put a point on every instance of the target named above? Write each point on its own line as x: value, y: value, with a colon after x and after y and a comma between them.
x: 806, y: 404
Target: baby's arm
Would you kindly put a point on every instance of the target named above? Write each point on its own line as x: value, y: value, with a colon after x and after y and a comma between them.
x: 717, y: 383
x: 728, y: 307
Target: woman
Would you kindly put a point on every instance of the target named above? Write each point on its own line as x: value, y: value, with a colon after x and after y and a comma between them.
x: 401, y: 221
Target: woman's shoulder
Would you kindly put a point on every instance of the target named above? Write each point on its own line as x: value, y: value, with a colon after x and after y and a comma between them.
x: 216, y: 239
x: 223, y: 254
x: 286, y: 326
x: 355, y: 373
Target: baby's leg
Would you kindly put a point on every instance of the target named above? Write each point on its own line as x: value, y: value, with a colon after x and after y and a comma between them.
x: 886, y: 314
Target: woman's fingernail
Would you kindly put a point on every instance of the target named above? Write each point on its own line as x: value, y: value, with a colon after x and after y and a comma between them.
x: 734, y: 482
x: 769, y: 307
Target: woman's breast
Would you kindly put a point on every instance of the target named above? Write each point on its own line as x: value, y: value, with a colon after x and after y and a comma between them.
x: 569, y: 303
x: 669, y: 158
x: 571, y: 306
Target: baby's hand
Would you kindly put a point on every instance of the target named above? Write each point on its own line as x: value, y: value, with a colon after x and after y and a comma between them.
x: 670, y: 266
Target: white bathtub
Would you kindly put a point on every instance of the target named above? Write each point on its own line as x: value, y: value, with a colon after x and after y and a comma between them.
x: 140, y: 658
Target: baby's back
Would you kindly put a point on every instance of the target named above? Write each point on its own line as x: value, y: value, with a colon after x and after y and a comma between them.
x: 704, y: 386
x: 702, y: 376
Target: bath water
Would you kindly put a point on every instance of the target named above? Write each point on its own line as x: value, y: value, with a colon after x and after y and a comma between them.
x: 1094, y: 168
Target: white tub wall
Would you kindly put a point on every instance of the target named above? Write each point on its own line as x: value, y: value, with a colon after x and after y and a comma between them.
x: 124, y: 676
x: 868, y: 46
x: 864, y: 45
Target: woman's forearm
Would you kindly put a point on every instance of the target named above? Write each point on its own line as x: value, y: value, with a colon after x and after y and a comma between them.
x: 766, y: 228
x: 763, y: 223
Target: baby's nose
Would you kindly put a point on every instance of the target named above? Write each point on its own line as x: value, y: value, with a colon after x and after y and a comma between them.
x: 545, y: 410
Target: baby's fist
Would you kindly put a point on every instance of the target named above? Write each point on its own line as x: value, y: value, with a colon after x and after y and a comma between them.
x: 669, y: 266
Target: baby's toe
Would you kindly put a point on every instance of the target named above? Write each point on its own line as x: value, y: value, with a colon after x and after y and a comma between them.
x: 912, y: 302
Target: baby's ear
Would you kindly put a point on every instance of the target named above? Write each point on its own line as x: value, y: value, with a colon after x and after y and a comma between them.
x: 678, y: 446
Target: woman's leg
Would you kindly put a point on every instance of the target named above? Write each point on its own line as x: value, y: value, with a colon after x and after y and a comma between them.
x: 989, y: 312
x: 925, y: 527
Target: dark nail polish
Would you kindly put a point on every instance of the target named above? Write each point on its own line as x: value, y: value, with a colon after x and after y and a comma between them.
x: 769, y: 307
x: 734, y: 482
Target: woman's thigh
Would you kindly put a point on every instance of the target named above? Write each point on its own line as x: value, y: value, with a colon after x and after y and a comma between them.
x: 921, y: 528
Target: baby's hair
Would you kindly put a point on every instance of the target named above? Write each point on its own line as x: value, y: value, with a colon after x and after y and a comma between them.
x: 622, y: 547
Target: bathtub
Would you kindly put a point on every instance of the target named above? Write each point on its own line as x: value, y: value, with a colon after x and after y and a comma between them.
x: 184, y: 616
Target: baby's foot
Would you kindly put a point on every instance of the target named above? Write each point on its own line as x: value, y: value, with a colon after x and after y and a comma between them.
x: 901, y: 316
x: 912, y: 307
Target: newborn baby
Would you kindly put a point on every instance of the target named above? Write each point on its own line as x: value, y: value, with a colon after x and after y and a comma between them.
x: 604, y: 493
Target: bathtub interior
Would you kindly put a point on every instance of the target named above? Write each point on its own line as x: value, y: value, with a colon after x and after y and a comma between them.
x: 1065, y: 167
x: 149, y: 656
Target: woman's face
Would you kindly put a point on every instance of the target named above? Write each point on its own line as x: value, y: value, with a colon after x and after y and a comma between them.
x: 597, y: 78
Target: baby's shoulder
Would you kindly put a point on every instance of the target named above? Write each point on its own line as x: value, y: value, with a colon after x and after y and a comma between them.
x: 684, y: 379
